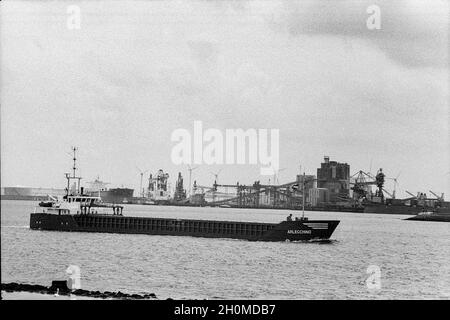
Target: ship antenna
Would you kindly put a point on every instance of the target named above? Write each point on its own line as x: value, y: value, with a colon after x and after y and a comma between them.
x: 74, y: 149
x: 303, y: 196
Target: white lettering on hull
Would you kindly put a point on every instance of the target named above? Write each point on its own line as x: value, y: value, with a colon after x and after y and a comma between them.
x: 299, y: 231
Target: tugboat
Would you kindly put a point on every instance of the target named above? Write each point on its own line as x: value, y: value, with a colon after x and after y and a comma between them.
x: 81, y: 213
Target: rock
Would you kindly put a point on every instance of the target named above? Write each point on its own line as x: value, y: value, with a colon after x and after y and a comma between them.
x: 80, y: 292
x: 62, y: 288
x: 60, y: 285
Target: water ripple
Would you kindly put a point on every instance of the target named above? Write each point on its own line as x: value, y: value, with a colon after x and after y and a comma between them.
x: 413, y: 257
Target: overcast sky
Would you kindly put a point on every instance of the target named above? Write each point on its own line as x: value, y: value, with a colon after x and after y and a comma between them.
x: 137, y: 70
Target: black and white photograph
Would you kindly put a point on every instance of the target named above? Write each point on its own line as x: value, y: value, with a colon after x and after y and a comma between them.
x: 224, y: 156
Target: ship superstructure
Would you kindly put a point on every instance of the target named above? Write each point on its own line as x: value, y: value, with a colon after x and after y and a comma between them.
x: 75, y: 200
x: 180, y: 192
x: 158, y: 187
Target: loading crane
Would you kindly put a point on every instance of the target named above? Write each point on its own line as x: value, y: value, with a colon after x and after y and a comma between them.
x: 284, y: 195
x: 395, y: 184
x: 413, y: 196
x: 361, y: 186
x: 440, y: 198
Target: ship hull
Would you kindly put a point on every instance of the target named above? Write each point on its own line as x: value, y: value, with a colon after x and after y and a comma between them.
x: 439, y: 214
x: 431, y: 217
x: 117, y: 195
x: 286, y: 230
x: 392, y: 209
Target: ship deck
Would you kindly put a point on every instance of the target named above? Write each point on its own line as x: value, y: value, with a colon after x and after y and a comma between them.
x: 286, y: 230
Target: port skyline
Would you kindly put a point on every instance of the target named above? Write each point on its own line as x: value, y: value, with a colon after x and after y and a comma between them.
x: 120, y: 99
x: 225, y: 150
x: 208, y: 175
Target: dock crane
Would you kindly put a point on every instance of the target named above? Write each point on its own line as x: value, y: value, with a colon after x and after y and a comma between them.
x: 440, y: 198
x: 141, y: 172
x: 190, y: 169
x: 361, y: 185
x: 395, y: 184
x: 413, y: 196
x: 365, y: 179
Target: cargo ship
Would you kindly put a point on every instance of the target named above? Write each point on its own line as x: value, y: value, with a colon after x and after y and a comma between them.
x: 78, y: 212
x: 87, y: 221
x: 409, y: 206
x: 117, y: 195
x: 113, y: 195
x: 379, y: 203
x: 385, y: 208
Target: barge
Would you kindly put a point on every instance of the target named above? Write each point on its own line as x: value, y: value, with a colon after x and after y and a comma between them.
x: 79, y: 212
x: 296, y: 230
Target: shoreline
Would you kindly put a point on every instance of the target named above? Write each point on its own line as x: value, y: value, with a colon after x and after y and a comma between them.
x: 60, y: 291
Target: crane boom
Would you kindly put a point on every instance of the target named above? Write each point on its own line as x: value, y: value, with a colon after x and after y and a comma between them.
x: 438, y: 197
x: 410, y: 194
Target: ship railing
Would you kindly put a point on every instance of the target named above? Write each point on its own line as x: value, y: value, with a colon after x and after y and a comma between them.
x: 52, y: 210
x: 114, y: 210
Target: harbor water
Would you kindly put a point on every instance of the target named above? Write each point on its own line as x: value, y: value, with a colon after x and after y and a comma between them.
x: 413, y: 257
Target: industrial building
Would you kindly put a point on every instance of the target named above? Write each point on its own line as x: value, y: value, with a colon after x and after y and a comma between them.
x: 28, y: 193
x: 335, y: 177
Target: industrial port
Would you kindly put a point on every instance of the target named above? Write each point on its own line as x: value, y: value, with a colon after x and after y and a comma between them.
x: 333, y: 188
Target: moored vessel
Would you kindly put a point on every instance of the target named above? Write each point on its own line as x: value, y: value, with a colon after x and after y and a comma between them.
x: 379, y: 203
x: 439, y: 215
x: 109, y: 195
x: 409, y: 206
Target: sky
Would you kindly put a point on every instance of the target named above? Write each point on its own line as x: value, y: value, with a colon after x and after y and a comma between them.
x: 135, y: 71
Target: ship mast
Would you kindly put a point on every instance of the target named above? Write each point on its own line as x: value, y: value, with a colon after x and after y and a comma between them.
x: 303, y: 196
x: 74, y: 149
x: 74, y: 168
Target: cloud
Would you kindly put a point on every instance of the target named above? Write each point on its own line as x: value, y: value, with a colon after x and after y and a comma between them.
x: 135, y: 71
x: 413, y: 33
